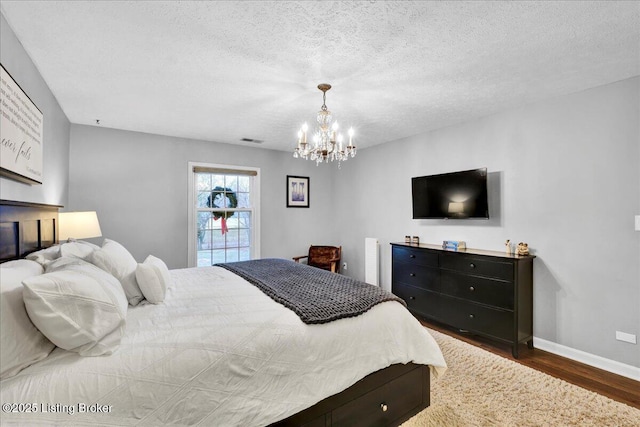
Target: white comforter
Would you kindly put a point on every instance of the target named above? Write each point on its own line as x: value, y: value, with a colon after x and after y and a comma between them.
x: 217, y: 352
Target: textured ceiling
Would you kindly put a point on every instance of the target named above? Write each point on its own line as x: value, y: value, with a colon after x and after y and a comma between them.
x: 223, y: 71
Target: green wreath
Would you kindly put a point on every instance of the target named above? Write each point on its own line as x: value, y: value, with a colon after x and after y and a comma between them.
x: 223, y: 193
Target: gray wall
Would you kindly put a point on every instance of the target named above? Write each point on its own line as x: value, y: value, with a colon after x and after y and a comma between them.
x: 138, y: 184
x: 55, y: 180
x: 564, y: 177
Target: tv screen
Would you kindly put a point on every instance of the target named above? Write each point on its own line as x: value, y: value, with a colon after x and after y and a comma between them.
x: 456, y: 195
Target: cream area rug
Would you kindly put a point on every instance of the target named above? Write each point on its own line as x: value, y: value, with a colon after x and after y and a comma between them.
x: 483, y: 389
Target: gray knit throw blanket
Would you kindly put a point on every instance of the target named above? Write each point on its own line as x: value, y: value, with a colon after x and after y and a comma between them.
x: 315, y: 295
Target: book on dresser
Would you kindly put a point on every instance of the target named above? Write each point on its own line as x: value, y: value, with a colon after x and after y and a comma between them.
x: 487, y: 293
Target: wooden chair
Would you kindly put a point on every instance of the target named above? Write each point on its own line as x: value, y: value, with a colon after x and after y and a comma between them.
x: 325, y: 257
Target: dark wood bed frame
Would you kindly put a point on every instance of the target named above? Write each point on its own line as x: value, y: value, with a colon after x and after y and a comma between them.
x: 26, y: 227
x: 388, y: 397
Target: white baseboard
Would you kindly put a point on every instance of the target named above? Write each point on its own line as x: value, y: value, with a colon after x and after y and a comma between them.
x: 588, y: 358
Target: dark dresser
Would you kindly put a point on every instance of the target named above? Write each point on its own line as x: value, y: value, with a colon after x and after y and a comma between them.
x: 484, y: 292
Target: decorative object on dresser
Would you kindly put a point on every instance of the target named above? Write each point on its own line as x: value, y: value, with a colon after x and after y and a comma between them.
x: 523, y: 249
x: 484, y: 292
x: 453, y: 245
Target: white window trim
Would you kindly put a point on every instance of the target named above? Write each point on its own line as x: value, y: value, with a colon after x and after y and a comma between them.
x: 192, y: 216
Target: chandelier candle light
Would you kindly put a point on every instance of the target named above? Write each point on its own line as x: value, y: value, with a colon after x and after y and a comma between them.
x: 327, y: 142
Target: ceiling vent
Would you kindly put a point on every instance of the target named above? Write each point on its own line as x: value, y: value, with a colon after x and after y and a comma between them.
x: 255, y: 141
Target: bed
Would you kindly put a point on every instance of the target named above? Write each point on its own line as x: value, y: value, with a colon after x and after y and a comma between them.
x: 219, y: 351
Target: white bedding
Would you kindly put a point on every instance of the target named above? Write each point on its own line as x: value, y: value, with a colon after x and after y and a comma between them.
x: 217, y: 352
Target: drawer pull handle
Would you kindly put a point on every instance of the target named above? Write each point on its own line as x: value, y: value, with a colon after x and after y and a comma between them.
x: 471, y: 288
x: 412, y: 274
x: 412, y: 256
x: 472, y: 265
x: 471, y: 316
x: 384, y: 407
x: 412, y: 298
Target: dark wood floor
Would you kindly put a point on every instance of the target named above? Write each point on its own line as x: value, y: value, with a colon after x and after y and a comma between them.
x: 614, y: 386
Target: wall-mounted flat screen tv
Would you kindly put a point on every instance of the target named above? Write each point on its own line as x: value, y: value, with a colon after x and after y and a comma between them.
x: 456, y: 195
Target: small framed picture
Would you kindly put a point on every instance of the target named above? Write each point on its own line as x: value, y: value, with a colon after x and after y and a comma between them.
x: 297, y: 191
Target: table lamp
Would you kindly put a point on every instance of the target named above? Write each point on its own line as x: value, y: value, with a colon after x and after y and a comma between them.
x: 78, y: 225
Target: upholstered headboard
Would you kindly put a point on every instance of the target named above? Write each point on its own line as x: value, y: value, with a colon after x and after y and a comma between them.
x: 26, y: 227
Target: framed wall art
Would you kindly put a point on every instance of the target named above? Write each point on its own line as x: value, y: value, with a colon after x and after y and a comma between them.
x: 297, y: 191
x: 21, y: 126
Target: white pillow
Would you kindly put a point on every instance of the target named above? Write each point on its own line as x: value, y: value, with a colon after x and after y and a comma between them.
x: 153, y: 278
x: 62, y: 263
x: 21, y: 344
x: 45, y: 255
x: 78, y: 249
x: 78, y: 307
x: 116, y: 260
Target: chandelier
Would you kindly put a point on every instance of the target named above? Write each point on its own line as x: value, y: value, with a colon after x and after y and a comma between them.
x: 326, y: 143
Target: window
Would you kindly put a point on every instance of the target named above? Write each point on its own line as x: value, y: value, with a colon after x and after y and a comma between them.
x: 223, y: 212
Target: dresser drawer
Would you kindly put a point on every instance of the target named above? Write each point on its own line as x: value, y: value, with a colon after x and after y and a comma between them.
x: 416, y: 275
x: 418, y: 300
x: 478, y: 266
x: 477, y: 318
x: 415, y: 255
x: 479, y: 289
x: 382, y: 406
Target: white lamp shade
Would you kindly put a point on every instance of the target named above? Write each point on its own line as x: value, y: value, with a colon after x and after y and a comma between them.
x: 78, y: 225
